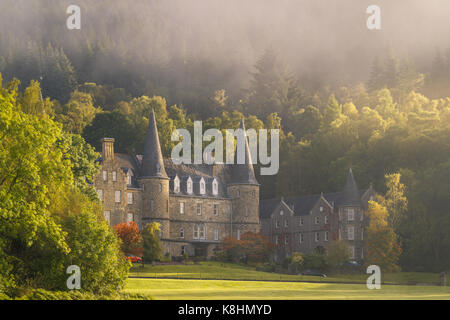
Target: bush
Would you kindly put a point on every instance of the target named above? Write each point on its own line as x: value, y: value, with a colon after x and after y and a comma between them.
x: 42, y: 294
x: 95, y: 248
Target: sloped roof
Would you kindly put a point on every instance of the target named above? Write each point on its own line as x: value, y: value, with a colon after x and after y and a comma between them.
x: 243, y: 173
x: 303, y: 205
x: 152, y: 161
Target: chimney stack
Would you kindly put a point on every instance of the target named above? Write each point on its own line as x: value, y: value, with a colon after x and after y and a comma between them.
x: 107, y: 149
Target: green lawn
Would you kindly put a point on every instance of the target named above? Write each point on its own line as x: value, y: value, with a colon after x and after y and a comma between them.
x: 228, y: 271
x: 167, y: 289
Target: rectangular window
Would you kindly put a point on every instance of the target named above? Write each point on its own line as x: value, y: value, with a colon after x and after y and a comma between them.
x: 326, y: 220
x: 301, y: 222
x: 182, y: 233
x: 276, y: 239
x: 117, y: 196
x: 100, y: 194
x: 301, y: 238
x: 183, y: 250
x: 129, y: 217
x: 108, y: 216
x: 316, y: 220
x: 105, y: 175
x: 351, y: 214
x: 286, y: 240
x: 202, y: 232
x: 199, y: 209
x: 286, y: 223
x: 317, y: 237
x: 216, y: 234
x: 114, y: 175
x: 128, y: 179
x: 277, y: 224
x: 350, y: 233
x: 216, y: 209
x: 326, y: 235
x: 352, y: 252
x: 196, y: 232
x: 130, y: 198
x: 181, y: 207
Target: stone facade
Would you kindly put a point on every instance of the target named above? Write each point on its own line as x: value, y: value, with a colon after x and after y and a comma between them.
x: 196, y: 205
x: 308, y: 223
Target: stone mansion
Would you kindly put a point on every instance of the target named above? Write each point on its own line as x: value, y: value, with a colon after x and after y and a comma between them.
x: 198, y: 206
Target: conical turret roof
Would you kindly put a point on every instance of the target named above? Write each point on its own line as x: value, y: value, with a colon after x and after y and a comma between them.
x: 153, y: 162
x: 243, y: 173
x: 350, y: 194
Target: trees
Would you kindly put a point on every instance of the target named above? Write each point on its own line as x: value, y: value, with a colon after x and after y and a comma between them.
x: 47, y: 221
x: 252, y: 247
x: 77, y: 113
x: 151, y: 242
x: 130, y: 236
x: 337, y: 253
x: 382, y: 247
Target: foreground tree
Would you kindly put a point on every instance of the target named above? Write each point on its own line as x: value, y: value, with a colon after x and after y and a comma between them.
x: 47, y: 222
x: 382, y: 247
x: 130, y: 236
x: 152, y: 242
x: 337, y: 253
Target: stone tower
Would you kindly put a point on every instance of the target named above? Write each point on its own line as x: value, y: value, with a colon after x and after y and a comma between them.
x: 351, y: 217
x: 155, y: 183
x: 244, y: 191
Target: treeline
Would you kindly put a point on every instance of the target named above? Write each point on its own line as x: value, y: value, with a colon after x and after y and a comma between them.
x: 392, y: 129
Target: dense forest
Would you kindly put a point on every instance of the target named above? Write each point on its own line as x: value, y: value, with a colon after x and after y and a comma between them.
x: 379, y: 114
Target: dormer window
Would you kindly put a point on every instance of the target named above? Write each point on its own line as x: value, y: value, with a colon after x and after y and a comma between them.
x: 176, y: 185
x: 129, y: 177
x: 202, y: 186
x: 189, y: 185
x: 114, y: 176
x: 215, y: 187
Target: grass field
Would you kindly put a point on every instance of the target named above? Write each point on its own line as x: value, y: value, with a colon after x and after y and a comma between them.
x: 267, y: 285
x: 168, y: 289
x: 228, y: 271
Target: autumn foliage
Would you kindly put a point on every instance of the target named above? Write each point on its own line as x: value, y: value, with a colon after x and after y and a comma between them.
x: 252, y: 247
x: 130, y: 236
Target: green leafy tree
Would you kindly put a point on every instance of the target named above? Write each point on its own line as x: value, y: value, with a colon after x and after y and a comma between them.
x: 337, y: 253
x: 152, y: 242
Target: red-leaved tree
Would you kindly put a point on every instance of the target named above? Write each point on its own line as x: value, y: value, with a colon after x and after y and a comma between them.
x: 130, y: 236
x: 252, y: 247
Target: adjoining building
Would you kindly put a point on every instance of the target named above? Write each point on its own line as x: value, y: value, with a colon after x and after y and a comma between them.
x: 308, y: 223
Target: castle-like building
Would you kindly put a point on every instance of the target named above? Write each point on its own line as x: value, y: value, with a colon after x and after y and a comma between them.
x: 197, y: 206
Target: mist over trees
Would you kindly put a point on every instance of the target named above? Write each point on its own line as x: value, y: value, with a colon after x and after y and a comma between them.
x: 342, y: 96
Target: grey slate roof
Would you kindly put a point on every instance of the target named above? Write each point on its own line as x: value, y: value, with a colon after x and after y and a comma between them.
x: 302, y: 205
x: 152, y: 161
x: 243, y: 173
x: 351, y: 194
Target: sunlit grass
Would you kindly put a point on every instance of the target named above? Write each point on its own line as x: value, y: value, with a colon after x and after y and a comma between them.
x: 229, y: 271
x: 168, y: 289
